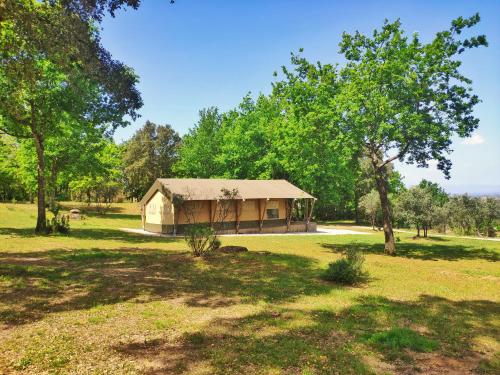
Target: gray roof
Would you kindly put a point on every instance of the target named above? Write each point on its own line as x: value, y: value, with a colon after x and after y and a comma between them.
x: 211, y: 189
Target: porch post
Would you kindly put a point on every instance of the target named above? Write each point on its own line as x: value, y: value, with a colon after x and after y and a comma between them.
x: 289, y: 205
x: 262, y: 212
x: 310, y: 214
x: 176, y: 216
x: 237, y: 213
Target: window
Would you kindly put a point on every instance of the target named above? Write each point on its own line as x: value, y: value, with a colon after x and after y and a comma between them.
x: 272, y: 213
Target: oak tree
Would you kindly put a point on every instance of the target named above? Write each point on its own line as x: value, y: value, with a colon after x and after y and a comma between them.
x: 403, y: 99
x: 53, y: 67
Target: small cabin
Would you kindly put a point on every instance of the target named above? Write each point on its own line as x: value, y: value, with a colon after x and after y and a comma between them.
x: 229, y: 206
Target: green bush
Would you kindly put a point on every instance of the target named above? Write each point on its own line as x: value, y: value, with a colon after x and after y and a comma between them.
x: 201, y: 239
x: 58, y: 224
x: 346, y: 270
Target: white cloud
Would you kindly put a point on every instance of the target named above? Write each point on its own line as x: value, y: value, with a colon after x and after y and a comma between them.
x: 476, y: 139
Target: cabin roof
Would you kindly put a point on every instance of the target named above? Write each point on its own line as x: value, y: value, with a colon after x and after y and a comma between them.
x: 211, y: 189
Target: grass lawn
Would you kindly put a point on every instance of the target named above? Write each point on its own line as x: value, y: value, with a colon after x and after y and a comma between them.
x: 101, y: 301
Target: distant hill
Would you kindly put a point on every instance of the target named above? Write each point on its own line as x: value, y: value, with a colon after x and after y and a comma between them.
x: 474, y: 190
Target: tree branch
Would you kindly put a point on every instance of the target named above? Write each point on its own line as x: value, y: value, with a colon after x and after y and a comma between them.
x: 24, y: 136
x: 397, y: 156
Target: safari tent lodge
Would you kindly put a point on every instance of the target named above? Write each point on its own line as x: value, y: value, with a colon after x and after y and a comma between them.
x: 229, y: 206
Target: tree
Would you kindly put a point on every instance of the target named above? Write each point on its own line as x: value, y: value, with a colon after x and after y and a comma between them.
x: 439, y: 196
x: 441, y: 217
x: 415, y: 207
x: 53, y: 68
x: 11, y: 187
x: 102, y: 179
x: 474, y: 215
x: 309, y: 141
x: 370, y: 204
x: 365, y: 183
x: 403, y: 99
x: 200, y: 147
x: 247, y: 144
x: 69, y: 154
x: 148, y: 155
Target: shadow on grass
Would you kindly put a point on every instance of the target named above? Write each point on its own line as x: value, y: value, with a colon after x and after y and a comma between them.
x: 91, y: 234
x: 425, y: 250
x: 322, y: 341
x: 91, y: 209
x: 39, y: 283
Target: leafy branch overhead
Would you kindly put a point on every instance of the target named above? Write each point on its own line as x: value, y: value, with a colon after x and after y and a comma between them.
x: 405, y: 99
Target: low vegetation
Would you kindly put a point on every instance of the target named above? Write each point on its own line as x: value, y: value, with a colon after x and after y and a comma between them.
x: 201, y: 239
x: 99, y: 300
x: 348, y: 269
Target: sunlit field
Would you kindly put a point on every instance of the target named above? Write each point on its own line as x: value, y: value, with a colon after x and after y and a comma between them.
x: 102, y: 301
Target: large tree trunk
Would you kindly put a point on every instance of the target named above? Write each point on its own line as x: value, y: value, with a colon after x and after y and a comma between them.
x: 41, y: 220
x: 383, y: 189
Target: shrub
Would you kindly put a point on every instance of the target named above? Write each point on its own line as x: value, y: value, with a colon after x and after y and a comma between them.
x: 348, y: 269
x: 201, y: 239
x: 58, y: 224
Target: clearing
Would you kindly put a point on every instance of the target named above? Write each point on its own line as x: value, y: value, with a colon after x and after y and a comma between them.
x: 101, y: 300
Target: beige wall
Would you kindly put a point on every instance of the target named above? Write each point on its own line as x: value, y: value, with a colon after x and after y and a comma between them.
x: 159, y: 210
x: 199, y: 209
x: 249, y: 210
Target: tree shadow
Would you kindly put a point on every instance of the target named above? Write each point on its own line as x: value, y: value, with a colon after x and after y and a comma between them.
x: 91, y: 209
x: 43, y: 282
x: 421, y: 250
x: 91, y: 234
x: 324, y: 341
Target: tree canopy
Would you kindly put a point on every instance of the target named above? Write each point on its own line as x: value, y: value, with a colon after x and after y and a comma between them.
x: 54, y: 71
x: 148, y: 155
x: 405, y: 99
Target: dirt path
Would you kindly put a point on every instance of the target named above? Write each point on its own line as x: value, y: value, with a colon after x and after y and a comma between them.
x: 320, y: 231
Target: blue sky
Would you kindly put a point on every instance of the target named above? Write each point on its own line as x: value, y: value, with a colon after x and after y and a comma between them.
x: 201, y: 53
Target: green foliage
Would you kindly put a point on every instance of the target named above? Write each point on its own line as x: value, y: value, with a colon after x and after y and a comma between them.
x: 278, y: 136
x: 197, y: 156
x: 54, y: 74
x: 438, y: 195
x: 248, y: 146
x: 404, y: 99
x: 201, y: 239
x: 148, y: 155
x: 58, y: 224
x: 415, y: 207
x: 370, y: 204
x: 348, y: 269
x: 102, y: 178
x: 473, y: 215
x: 11, y: 184
x: 397, y: 339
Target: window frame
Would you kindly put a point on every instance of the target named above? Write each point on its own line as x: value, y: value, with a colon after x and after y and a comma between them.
x: 273, y: 217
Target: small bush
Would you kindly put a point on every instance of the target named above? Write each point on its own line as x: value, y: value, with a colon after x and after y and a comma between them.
x: 58, y: 224
x: 346, y: 270
x: 201, y: 239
